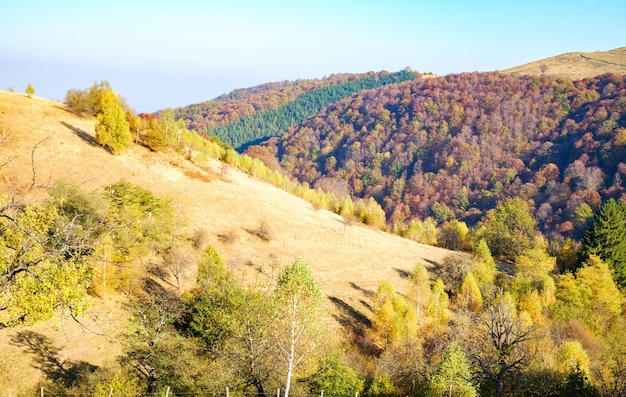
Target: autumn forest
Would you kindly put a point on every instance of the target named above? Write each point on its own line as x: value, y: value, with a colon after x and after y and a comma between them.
x: 522, y: 178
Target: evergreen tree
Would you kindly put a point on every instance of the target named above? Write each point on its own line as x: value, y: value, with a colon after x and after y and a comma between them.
x: 113, y: 130
x: 452, y: 377
x: 606, y: 239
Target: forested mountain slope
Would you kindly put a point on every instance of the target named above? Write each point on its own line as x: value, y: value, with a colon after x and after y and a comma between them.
x: 247, y: 116
x: 451, y: 147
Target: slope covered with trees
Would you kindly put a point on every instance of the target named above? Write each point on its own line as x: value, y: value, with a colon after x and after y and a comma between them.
x: 240, y: 119
x: 451, y: 147
x: 453, y: 324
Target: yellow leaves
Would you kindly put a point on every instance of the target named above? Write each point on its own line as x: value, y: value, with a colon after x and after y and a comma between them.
x: 589, y: 296
x: 571, y: 357
x: 393, y: 317
x: 470, y: 297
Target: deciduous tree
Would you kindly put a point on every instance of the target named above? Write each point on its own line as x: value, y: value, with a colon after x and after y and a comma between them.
x: 509, y: 229
x: 501, y: 345
x: 44, y: 263
x: 30, y: 90
x: 298, y: 302
x: 113, y: 130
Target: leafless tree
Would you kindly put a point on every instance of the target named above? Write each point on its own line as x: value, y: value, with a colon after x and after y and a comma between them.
x: 501, y: 345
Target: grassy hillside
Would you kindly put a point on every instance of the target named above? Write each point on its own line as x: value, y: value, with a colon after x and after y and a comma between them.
x: 44, y: 141
x: 576, y: 65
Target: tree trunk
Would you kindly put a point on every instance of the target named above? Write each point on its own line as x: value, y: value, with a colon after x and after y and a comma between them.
x: 500, y: 385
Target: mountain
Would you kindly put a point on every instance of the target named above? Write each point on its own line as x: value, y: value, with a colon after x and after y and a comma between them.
x: 247, y: 116
x: 42, y: 142
x: 576, y: 65
x: 453, y: 146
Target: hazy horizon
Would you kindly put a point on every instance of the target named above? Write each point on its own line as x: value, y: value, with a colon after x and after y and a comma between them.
x: 161, y: 54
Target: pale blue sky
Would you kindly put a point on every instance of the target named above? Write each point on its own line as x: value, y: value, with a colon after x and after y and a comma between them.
x: 161, y: 54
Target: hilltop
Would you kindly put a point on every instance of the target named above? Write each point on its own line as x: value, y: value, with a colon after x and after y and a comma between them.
x: 576, y: 65
x: 347, y: 262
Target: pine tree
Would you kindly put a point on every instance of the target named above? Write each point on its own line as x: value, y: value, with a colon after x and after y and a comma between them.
x: 113, y: 130
x: 606, y: 239
x: 452, y: 376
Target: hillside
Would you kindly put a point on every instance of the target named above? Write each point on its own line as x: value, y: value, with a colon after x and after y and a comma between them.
x: 247, y: 116
x: 452, y: 146
x: 576, y: 65
x: 347, y: 262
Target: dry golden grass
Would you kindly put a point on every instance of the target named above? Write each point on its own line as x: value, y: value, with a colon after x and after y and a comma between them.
x: 576, y: 65
x: 348, y: 262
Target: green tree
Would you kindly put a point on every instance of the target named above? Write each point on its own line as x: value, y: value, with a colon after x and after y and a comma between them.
x: 509, y: 228
x: 148, y: 347
x: 214, y: 305
x: 606, y: 239
x: 382, y: 386
x: 30, y: 90
x: 251, y: 351
x: 298, y: 302
x: 138, y: 223
x: 335, y: 376
x: 44, y: 263
x: 452, y: 376
x: 484, y: 267
x: 113, y: 130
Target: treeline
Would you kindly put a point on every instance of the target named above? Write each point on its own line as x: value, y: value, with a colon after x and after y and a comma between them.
x: 269, y: 120
x: 452, y: 147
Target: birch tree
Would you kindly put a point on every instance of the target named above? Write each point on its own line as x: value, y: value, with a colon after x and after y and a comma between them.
x: 298, y: 302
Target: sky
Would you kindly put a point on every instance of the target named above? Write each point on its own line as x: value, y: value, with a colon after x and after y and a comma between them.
x: 160, y: 54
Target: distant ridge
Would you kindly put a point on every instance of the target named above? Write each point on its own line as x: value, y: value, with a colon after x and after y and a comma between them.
x: 576, y: 65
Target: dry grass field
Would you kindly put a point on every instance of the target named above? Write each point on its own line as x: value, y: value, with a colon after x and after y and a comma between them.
x: 576, y: 65
x: 42, y: 140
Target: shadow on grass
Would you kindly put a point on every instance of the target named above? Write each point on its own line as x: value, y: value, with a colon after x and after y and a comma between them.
x: 403, y: 273
x: 349, y: 316
x: 365, y: 292
x: 81, y: 134
x: 47, y: 359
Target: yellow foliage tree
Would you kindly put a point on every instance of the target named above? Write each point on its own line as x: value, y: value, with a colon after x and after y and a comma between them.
x: 572, y: 357
x: 393, y: 318
x: 113, y: 130
x: 470, y: 298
